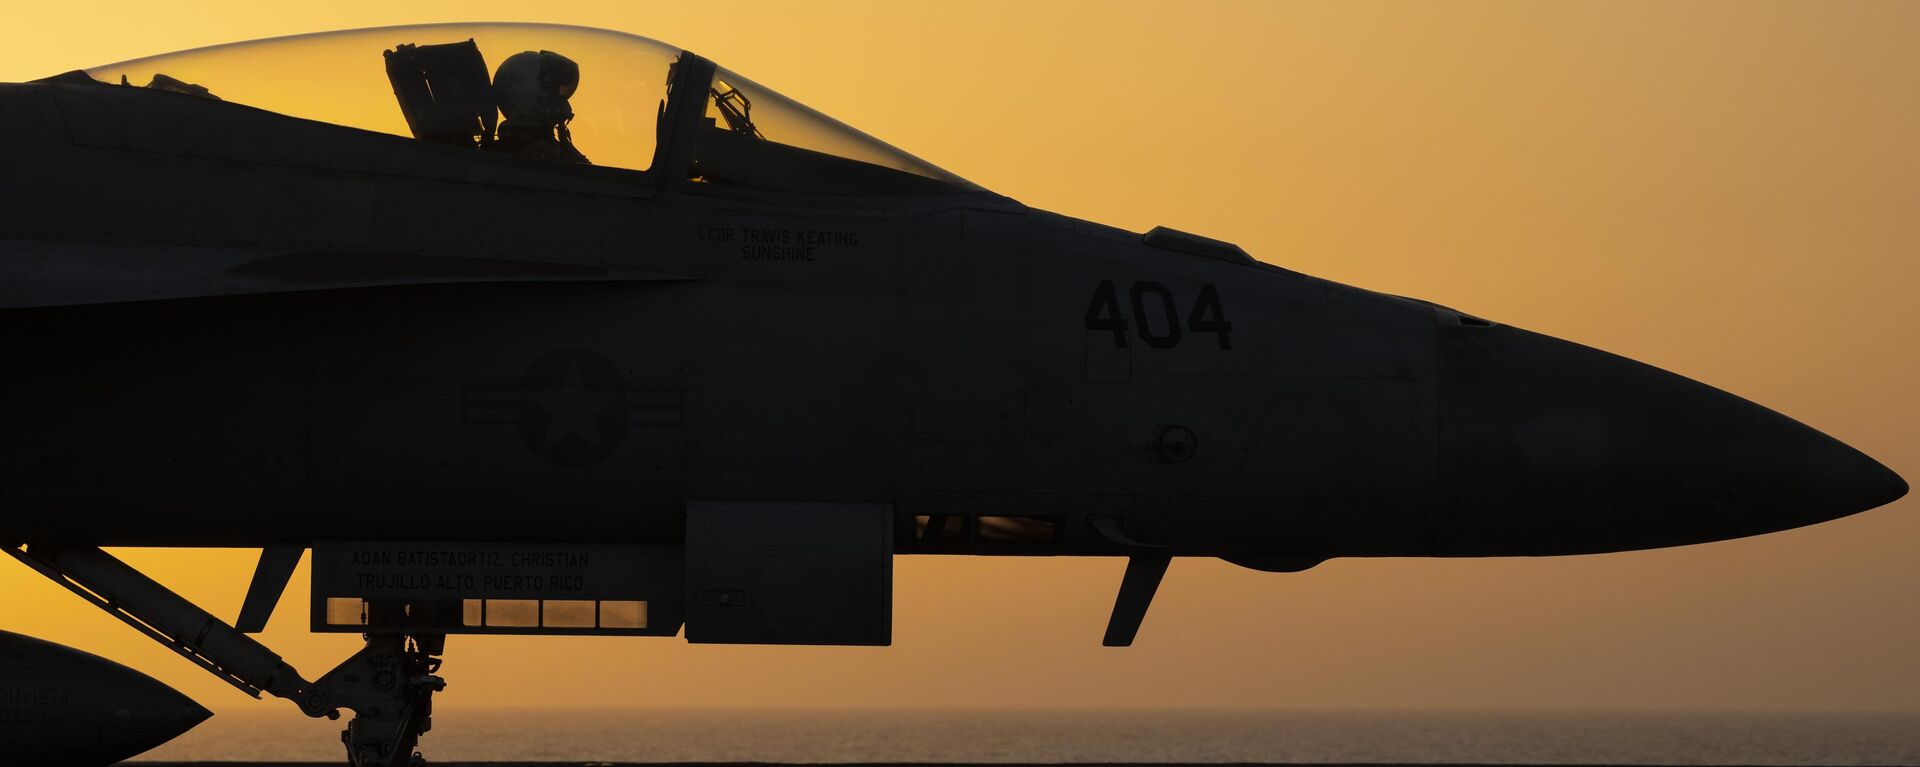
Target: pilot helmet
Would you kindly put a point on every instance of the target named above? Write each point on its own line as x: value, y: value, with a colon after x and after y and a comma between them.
x: 534, y: 87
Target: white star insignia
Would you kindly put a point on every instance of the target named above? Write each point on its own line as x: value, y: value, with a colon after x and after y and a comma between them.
x: 572, y: 409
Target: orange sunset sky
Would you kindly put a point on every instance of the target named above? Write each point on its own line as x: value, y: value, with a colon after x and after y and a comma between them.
x: 1727, y: 190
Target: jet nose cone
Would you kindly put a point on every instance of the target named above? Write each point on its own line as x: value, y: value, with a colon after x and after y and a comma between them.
x: 1881, y: 486
x: 1549, y: 447
x: 1793, y: 475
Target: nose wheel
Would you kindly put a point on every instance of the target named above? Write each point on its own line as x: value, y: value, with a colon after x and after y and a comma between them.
x: 389, y: 686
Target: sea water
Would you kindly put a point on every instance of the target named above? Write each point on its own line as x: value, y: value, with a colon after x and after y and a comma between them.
x: 1004, y: 735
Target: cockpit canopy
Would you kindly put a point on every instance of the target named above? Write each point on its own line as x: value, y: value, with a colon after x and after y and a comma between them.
x: 436, y: 82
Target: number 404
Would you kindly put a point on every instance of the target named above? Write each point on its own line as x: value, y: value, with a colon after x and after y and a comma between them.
x: 1156, y: 315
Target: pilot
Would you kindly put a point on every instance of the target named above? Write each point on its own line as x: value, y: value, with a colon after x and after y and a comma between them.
x: 531, y: 89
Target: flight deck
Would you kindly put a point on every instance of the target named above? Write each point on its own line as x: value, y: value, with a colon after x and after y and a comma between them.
x: 884, y: 764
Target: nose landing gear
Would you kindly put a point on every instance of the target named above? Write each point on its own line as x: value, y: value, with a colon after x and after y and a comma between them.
x: 389, y: 685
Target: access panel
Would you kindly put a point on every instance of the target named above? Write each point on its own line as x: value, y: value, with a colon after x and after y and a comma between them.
x: 390, y: 587
x: 789, y: 573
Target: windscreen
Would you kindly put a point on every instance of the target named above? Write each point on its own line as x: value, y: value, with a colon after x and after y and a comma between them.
x: 343, y: 78
x: 743, y: 106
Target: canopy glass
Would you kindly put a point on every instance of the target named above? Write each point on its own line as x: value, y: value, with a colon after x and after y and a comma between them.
x: 373, y: 79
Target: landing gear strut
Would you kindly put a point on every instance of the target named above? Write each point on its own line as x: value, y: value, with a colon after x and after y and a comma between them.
x: 389, y: 684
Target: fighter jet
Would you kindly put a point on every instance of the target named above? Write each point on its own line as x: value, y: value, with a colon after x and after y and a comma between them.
x: 526, y: 329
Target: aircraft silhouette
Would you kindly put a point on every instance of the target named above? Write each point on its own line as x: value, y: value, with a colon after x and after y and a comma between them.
x: 612, y: 340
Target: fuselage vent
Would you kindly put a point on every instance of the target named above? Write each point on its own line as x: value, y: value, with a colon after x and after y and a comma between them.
x: 1193, y: 244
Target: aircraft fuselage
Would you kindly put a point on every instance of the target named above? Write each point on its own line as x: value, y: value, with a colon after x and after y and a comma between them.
x: 349, y: 334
